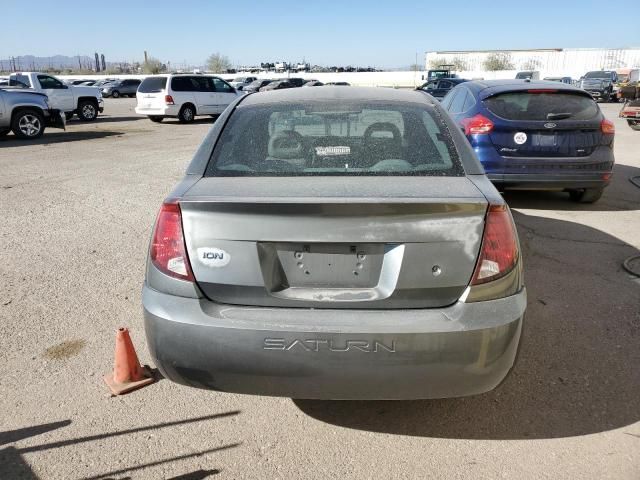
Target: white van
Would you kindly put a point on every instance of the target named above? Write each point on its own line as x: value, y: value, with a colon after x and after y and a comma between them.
x: 183, y: 96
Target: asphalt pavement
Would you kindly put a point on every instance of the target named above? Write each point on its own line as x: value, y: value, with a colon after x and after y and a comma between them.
x: 77, y: 210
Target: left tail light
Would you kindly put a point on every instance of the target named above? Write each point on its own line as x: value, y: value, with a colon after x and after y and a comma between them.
x: 477, y: 125
x: 168, y: 252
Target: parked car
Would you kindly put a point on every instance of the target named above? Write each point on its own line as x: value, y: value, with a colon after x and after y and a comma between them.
x: 183, y: 96
x: 335, y: 243
x: 102, y: 83
x: 296, y: 81
x: 313, y: 83
x: 534, y: 135
x: 528, y: 75
x: 27, y: 113
x: 439, y: 88
x: 567, y: 80
x: 86, y: 102
x: 338, y: 84
x: 256, y: 85
x: 75, y: 82
x: 121, y: 88
x: 631, y: 113
x: 601, y: 85
x: 240, y: 82
x: 276, y: 85
x: 4, y: 81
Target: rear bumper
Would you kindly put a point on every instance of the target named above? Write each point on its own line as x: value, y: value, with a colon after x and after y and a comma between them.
x: 165, y: 111
x: 546, y: 181
x: 460, y: 350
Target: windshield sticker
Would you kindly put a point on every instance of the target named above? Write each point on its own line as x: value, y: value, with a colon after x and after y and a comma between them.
x: 333, y: 151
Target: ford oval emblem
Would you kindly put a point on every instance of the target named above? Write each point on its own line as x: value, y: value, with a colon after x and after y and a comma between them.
x: 550, y: 125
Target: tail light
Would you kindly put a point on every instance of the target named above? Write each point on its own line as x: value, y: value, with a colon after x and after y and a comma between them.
x: 499, y: 250
x: 477, y: 125
x: 608, y: 127
x: 168, y: 99
x: 168, y: 251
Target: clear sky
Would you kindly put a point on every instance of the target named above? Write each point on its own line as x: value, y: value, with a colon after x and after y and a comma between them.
x: 325, y: 32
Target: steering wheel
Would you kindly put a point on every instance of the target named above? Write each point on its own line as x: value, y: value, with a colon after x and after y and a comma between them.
x: 287, y: 144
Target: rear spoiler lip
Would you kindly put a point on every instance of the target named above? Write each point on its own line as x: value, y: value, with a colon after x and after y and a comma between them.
x: 572, y: 91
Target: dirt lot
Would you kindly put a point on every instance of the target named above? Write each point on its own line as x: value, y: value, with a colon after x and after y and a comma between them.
x: 77, y: 208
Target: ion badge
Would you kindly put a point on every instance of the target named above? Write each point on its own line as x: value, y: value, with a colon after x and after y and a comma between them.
x: 213, y: 257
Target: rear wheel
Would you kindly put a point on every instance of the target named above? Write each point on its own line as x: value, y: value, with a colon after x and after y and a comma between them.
x: 187, y: 114
x: 28, y: 124
x: 115, y: 94
x: 156, y: 118
x: 87, y: 110
x: 634, y: 124
x: 588, y: 195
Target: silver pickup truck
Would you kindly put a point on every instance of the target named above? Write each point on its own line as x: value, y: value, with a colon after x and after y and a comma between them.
x: 27, y: 113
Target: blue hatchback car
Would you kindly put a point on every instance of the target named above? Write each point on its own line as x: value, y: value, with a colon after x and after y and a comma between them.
x: 536, y: 135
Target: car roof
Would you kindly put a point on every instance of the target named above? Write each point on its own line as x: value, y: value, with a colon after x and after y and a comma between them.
x: 328, y: 93
x: 488, y: 88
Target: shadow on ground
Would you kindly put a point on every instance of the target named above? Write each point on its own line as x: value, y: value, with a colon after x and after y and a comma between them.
x: 57, y: 136
x: 14, y: 466
x: 620, y: 195
x: 577, y: 371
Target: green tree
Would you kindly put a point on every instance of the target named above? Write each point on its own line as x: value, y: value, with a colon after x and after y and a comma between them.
x: 218, y: 63
x: 152, y: 66
x: 531, y: 64
x: 498, y: 61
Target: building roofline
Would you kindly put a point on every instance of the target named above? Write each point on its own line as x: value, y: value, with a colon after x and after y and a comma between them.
x: 504, y: 50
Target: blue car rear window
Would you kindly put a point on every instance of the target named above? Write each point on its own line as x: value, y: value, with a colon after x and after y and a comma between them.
x: 542, y: 105
x: 335, y: 138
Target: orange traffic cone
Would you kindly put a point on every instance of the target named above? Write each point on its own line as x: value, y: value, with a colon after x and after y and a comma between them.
x: 127, y: 374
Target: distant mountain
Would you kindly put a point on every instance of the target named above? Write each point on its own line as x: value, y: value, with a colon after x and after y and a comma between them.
x: 31, y: 62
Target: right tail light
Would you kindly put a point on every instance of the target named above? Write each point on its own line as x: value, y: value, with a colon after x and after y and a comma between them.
x: 499, y: 250
x: 168, y: 99
x: 608, y: 127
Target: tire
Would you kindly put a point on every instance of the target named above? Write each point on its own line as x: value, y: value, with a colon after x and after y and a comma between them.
x: 187, y: 113
x: 115, y: 94
x: 156, y: 118
x: 28, y: 124
x: 87, y: 111
x: 588, y: 195
x: 68, y: 115
x: 634, y: 124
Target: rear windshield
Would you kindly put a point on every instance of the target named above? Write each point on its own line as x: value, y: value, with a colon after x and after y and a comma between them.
x: 334, y: 138
x: 606, y: 75
x: 153, y: 85
x: 542, y: 106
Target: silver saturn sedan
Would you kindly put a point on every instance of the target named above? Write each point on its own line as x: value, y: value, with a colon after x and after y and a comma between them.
x: 335, y: 243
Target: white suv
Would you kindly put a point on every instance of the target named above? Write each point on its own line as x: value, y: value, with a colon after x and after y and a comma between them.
x: 183, y: 96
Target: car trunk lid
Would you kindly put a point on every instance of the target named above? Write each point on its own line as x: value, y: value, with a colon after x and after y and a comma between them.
x: 333, y: 242
x: 544, y: 123
x: 151, y: 93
